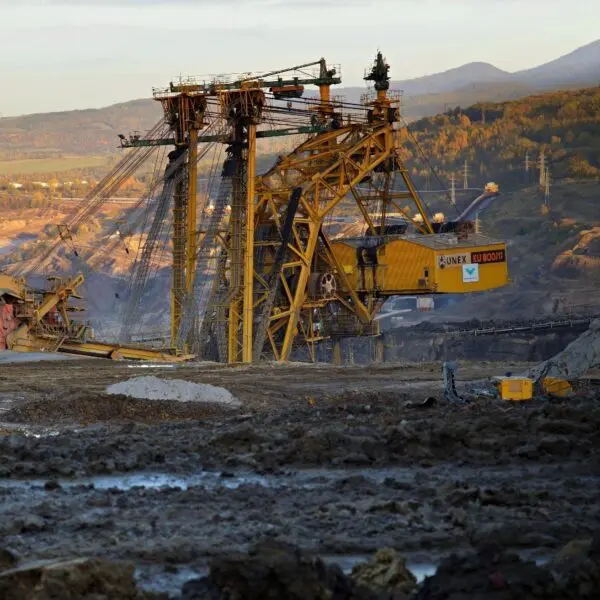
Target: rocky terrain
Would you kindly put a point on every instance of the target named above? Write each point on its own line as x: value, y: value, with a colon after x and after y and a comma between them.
x: 339, y: 462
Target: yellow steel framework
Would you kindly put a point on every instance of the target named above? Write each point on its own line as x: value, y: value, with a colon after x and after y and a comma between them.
x: 280, y: 281
x: 288, y: 286
x: 184, y: 109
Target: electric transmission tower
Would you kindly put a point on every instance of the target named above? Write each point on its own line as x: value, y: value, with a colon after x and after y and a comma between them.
x: 466, y: 175
x: 453, y: 190
x: 542, y: 168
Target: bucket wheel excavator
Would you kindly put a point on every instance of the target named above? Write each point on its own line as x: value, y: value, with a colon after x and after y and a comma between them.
x: 257, y: 270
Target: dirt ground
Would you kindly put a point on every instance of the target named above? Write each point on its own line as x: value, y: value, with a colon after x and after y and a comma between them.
x: 330, y: 459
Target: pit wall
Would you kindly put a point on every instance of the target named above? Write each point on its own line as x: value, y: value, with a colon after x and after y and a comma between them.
x: 402, y: 345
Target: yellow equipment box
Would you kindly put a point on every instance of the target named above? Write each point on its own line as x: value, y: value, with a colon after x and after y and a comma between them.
x: 421, y: 264
x: 514, y: 388
x: 557, y: 387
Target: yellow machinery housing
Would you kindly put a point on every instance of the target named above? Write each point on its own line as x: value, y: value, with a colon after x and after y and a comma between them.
x: 522, y: 388
x: 555, y: 386
x: 422, y: 264
x: 514, y: 388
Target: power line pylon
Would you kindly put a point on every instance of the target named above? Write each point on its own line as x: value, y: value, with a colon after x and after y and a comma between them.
x: 466, y: 175
x: 547, y: 184
x: 453, y: 189
x: 542, y: 168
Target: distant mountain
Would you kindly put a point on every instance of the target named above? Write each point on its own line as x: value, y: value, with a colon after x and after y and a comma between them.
x: 452, y: 80
x: 580, y: 66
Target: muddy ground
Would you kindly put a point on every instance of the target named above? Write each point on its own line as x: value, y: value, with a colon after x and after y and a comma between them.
x: 329, y: 459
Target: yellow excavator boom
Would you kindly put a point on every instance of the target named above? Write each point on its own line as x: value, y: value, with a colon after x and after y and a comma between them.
x: 33, y: 328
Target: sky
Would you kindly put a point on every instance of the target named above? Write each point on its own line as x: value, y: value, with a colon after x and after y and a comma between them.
x: 75, y: 54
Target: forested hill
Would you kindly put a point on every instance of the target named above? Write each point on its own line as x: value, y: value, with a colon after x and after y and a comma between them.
x: 496, y: 138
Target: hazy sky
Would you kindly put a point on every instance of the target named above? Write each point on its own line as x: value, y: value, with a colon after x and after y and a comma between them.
x: 63, y: 54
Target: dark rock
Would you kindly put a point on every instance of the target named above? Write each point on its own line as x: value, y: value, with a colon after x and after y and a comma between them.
x: 489, y: 575
x: 32, y: 524
x: 386, y: 571
x: 277, y: 571
x: 200, y: 589
x: 72, y: 580
x: 577, y: 568
x: 52, y: 485
x: 8, y: 559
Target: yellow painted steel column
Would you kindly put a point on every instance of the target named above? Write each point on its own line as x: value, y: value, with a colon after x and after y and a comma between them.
x: 233, y: 340
x: 337, y: 353
x: 192, y: 245
x: 179, y: 242
x: 236, y: 255
x: 248, y: 310
x: 296, y: 305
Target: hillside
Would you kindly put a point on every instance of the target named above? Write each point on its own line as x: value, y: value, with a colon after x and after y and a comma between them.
x: 495, y: 139
x: 91, y: 131
x: 94, y: 132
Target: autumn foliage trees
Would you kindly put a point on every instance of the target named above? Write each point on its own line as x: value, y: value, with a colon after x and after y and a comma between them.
x: 497, y: 139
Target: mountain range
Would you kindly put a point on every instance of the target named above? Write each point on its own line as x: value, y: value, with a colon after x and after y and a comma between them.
x: 580, y: 67
x: 94, y: 131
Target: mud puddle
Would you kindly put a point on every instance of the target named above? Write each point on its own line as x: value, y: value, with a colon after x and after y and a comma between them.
x: 161, y: 580
x: 306, y: 479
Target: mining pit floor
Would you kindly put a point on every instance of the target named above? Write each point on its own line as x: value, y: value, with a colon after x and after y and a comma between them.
x: 330, y: 459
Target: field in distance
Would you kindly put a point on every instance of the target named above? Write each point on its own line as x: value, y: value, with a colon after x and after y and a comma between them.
x: 29, y: 166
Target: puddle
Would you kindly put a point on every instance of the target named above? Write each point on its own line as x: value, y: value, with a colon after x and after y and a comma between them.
x: 156, y: 579
x: 152, y: 366
x: 26, y: 430
x: 310, y: 479
x: 154, y: 481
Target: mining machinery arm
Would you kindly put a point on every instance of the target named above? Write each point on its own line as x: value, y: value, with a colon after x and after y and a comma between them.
x: 34, y: 320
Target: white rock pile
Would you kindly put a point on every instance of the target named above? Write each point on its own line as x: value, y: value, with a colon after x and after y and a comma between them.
x: 155, y: 388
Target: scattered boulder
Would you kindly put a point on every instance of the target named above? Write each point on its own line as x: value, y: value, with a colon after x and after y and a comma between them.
x: 8, y: 559
x: 386, y: 571
x: 52, y: 485
x: 577, y: 569
x: 31, y: 524
x: 82, y: 578
x: 276, y: 571
x: 488, y: 575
